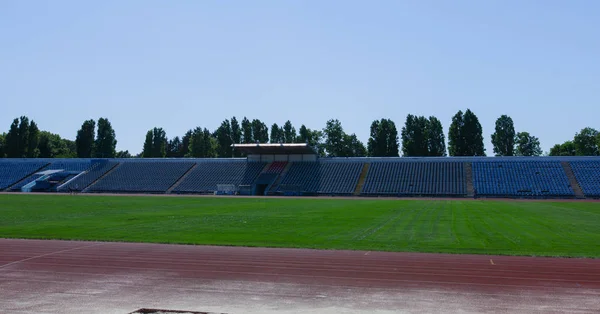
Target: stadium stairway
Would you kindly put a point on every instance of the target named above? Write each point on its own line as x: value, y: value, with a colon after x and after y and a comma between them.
x: 572, y: 179
x: 86, y: 189
x: 469, y: 179
x: 361, y: 179
x: 27, y: 177
x: 176, y: 184
x: 275, y: 184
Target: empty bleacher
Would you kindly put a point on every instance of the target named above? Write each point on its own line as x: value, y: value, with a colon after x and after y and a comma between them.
x: 587, y: 173
x: 15, y: 170
x: 405, y: 178
x: 530, y: 178
x: 147, y: 176
x: 324, y: 177
x: 538, y: 177
x: 205, y: 177
x: 84, y: 180
x: 74, y: 165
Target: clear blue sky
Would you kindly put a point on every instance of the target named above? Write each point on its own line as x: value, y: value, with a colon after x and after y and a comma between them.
x: 182, y: 64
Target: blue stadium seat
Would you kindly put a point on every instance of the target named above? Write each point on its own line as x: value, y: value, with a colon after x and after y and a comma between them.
x: 587, y: 173
x: 79, y: 165
x: 521, y: 178
x: 84, y: 180
x: 152, y: 176
x: 399, y: 177
x: 205, y: 177
x: 12, y: 171
x: 323, y: 177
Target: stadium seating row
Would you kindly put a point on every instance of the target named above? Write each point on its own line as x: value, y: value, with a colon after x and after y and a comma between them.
x: 493, y: 177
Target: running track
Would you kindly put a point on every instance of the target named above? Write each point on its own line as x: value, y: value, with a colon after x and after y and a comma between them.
x: 38, y: 276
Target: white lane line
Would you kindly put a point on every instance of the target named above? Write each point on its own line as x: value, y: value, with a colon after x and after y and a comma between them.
x: 51, y: 253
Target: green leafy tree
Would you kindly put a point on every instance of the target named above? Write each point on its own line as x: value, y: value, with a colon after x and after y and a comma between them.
x: 383, y: 140
x: 352, y: 147
x: 527, y: 145
x: 155, y: 145
x: 174, y: 147
x: 565, y: 149
x: 236, y: 135
x: 247, y: 136
x: 503, y: 139
x: 185, y: 144
x: 585, y: 142
x: 2, y: 145
x: 12, y: 140
x: 71, y: 149
x: 52, y: 146
x: 33, y: 139
x: 260, y: 131
x: 202, y: 144
x: 147, y: 150
x: 465, y: 137
x: 313, y: 138
x: 17, y: 138
x: 436, y: 141
x: 123, y: 154
x: 106, y: 142
x: 84, y: 141
x: 276, y: 134
x: 334, y: 138
x: 224, y: 140
x: 415, y: 136
x: 289, y: 132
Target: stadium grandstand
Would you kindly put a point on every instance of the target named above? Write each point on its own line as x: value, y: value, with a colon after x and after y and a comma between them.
x: 295, y: 169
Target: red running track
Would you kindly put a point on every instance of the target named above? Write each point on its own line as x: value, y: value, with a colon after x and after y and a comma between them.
x: 96, y: 277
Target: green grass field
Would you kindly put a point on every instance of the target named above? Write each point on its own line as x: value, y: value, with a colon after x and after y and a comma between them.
x: 461, y: 226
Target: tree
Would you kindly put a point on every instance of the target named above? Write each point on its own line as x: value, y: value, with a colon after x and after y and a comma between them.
x: 465, y: 137
x: 2, y: 145
x: 334, y: 138
x: 313, y: 138
x: 18, y: 137
x: 223, y: 138
x: 289, y: 132
x: 71, y: 149
x: 436, y: 141
x: 106, y: 142
x: 503, y: 139
x: 565, y: 149
x: 527, y: 145
x: 260, y: 131
x: 185, y: 144
x: 415, y: 136
x: 585, y: 142
x: 236, y: 135
x: 147, y: 150
x: 53, y: 146
x: 155, y: 145
x: 383, y: 141
x: 84, y: 141
x: 123, y: 154
x: 174, y: 148
x: 276, y: 134
x: 202, y: 144
x: 247, y: 137
x: 352, y: 147
x: 33, y: 140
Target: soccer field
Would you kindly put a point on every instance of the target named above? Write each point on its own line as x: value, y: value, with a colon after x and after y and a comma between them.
x: 456, y: 226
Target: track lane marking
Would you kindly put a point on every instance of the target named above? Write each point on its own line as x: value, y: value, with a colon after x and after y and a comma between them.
x: 48, y: 254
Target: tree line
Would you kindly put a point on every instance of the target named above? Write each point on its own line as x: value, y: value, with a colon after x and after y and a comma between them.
x: 420, y: 136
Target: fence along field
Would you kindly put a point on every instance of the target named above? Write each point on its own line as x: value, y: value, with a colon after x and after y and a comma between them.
x: 454, y: 226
